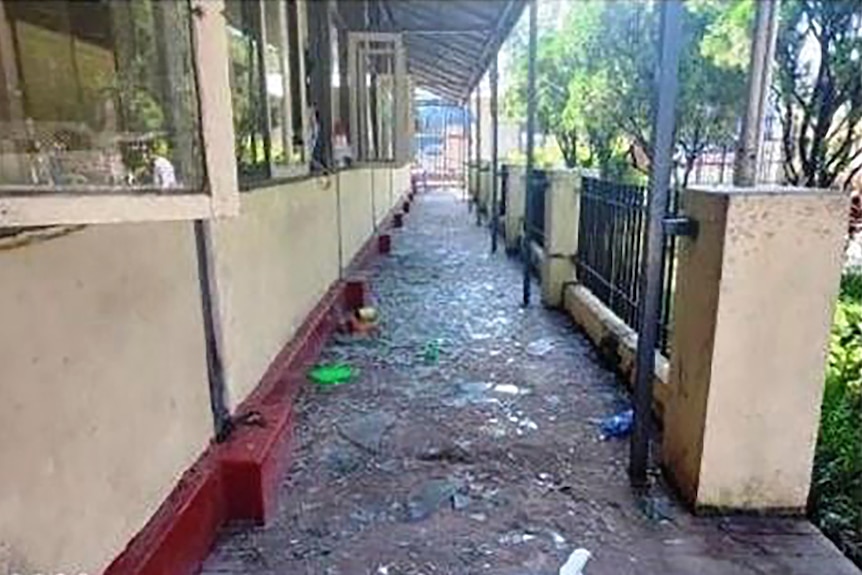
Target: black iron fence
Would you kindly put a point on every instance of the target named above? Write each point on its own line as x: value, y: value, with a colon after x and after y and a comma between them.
x: 611, y: 230
x: 535, y: 216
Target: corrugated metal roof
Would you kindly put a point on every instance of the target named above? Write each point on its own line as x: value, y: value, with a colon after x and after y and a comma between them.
x: 450, y: 43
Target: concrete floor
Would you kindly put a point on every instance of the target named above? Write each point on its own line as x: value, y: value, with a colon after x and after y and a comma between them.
x: 468, y: 444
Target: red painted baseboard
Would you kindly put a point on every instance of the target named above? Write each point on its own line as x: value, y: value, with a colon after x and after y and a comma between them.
x: 238, y: 479
x: 179, y: 536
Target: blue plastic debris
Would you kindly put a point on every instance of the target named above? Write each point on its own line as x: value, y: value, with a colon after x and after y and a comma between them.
x: 619, y: 425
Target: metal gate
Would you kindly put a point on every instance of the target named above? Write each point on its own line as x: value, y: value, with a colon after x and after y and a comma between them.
x: 440, y: 141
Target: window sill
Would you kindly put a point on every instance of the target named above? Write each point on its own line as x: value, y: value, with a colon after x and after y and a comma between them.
x: 45, y: 210
x: 286, y: 176
x: 306, y: 174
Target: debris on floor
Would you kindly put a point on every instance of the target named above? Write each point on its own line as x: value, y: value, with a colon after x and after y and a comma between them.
x: 364, y: 321
x: 617, y: 425
x: 656, y: 508
x: 576, y: 562
x: 431, y: 353
x: 430, y: 497
x: 465, y: 443
x: 367, y: 430
x: 540, y: 347
x: 329, y: 374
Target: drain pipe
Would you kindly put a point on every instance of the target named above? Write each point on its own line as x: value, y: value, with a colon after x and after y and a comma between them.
x: 222, y: 424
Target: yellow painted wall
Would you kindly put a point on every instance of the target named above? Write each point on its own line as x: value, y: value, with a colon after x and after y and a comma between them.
x: 382, y: 196
x: 104, y: 390
x: 273, y: 262
x: 401, y: 180
x: 103, y: 377
x: 357, y: 216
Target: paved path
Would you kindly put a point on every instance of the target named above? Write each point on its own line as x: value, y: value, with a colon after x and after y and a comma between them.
x: 468, y: 444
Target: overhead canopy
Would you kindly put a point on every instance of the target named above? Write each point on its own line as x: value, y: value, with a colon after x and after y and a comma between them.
x: 449, y: 43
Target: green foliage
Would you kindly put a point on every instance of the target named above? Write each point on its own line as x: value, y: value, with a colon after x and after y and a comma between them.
x: 836, y: 497
x: 728, y: 37
x: 817, y: 83
x: 595, y: 83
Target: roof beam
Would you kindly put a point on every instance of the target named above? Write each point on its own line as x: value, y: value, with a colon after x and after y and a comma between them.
x: 505, y: 24
x: 429, y: 71
x: 443, y: 92
x: 437, y: 30
x: 428, y: 78
x: 443, y: 52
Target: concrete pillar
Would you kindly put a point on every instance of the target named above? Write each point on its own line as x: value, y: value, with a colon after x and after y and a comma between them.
x: 753, y: 307
x: 513, y: 224
x: 562, y: 207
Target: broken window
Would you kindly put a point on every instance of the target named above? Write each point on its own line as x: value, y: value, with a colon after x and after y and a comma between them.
x: 98, y: 96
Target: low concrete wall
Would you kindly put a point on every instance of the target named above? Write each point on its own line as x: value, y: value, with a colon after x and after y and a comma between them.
x: 273, y: 264
x: 103, y: 381
x: 616, y: 341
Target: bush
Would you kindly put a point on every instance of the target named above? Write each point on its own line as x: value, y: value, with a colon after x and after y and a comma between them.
x: 836, y: 496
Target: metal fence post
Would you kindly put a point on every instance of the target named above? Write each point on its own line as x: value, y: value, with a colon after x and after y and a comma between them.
x: 478, y: 190
x: 668, y: 83
x: 531, y: 127
x: 494, y: 159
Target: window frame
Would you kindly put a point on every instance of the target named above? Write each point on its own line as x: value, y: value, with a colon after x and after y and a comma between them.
x: 301, y: 168
x: 360, y: 97
x: 218, y: 195
x: 271, y: 173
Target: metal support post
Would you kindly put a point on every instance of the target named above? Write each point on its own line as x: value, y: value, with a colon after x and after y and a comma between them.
x: 531, y: 128
x: 660, y: 181
x: 494, y: 143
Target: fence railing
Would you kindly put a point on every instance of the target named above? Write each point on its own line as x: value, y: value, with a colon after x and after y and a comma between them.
x: 535, y: 223
x: 611, y: 231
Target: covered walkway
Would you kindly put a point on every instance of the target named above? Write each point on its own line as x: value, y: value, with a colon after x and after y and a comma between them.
x: 468, y: 443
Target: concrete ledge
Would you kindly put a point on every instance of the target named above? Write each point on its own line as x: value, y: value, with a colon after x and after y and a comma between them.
x: 617, y: 342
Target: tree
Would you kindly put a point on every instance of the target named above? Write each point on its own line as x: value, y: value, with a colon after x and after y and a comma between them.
x: 819, y: 88
x: 597, y: 83
x: 559, y: 52
x: 817, y: 84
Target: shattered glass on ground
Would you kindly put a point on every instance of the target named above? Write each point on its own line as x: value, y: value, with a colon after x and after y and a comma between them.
x: 467, y: 444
